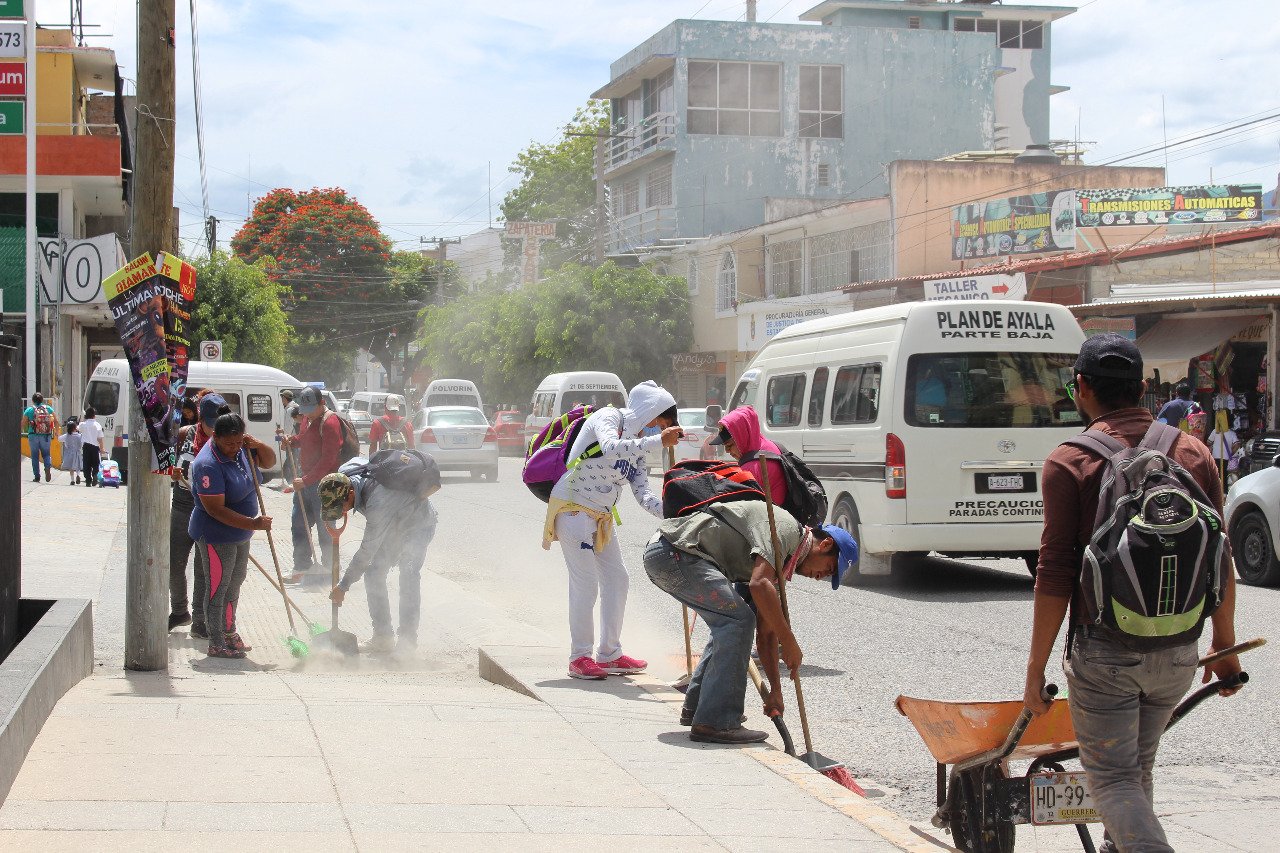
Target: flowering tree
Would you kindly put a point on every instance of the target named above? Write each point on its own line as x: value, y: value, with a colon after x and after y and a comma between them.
x: 329, y: 251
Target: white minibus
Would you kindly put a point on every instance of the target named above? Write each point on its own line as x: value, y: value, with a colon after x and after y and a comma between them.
x: 451, y: 392
x: 560, y: 392
x: 927, y: 422
x: 251, y: 390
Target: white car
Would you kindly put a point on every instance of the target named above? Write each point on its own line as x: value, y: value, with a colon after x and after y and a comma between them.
x: 459, y: 438
x: 1253, y: 522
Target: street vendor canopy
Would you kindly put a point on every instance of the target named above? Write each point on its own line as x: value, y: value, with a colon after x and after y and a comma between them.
x: 1174, y: 341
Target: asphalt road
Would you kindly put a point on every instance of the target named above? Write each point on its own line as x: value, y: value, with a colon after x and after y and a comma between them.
x: 941, y: 629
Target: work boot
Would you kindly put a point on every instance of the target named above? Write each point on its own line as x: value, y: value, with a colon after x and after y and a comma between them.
x: 48, y: 475
x: 199, y: 631
x: 686, y: 716
x: 234, y: 641
x: 179, y: 618
x: 735, y: 737
x: 378, y: 644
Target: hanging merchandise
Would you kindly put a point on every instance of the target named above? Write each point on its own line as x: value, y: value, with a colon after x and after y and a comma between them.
x: 1204, y: 374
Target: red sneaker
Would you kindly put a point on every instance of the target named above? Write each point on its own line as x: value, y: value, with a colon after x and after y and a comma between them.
x: 234, y: 641
x: 585, y: 668
x: 224, y: 652
x: 624, y: 665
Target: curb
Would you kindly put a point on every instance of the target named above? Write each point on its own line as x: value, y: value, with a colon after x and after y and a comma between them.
x: 885, y: 823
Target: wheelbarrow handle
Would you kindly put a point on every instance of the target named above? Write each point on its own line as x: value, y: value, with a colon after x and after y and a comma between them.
x: 1237, y: 649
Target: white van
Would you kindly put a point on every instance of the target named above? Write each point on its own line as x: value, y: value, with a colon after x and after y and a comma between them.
x: 451, y: 392
x: 928, y: 422
x: 560, y: 392
x: 251, y: 390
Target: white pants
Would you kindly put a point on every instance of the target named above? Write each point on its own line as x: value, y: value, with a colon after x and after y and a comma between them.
x: 591, y: 574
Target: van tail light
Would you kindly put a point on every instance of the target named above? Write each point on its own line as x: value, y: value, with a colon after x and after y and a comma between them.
x: 895, y: 467
x: 428, y: 437
x: 490, y: 435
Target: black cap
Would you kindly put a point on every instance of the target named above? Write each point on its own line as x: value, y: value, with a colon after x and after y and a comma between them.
x: 1111, y: 356
x: 721, y: 437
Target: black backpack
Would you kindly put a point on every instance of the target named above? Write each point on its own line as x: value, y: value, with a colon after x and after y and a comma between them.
x: 399, y: 470
x: 806, y: 498
x: 350, y: 448
x: 695, y: 484
x: 1152, y: 572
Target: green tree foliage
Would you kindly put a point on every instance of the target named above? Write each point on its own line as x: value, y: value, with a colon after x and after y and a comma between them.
x: 557, y: 182
x: 238, y: 303
x: 625, y: 320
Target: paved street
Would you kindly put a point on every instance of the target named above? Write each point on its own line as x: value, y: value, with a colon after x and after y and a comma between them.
x: 943, y: 629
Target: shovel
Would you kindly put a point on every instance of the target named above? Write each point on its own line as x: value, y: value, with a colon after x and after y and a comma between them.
x: 788, y: 745
x: 335, y: 639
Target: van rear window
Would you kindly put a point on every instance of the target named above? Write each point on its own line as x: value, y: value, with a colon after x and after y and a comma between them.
x: 988, y: 390
x: 102, y: 397
x: 598, y: 399
x: 449, y: 400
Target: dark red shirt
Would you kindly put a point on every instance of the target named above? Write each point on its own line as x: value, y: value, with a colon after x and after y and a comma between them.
x: 319, y: 443
x: 1072, y: 479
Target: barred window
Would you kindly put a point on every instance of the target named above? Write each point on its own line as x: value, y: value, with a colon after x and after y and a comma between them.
x: 727, y: 283
x: 786, y: 269
x: 821, y: 101
x: 658, y: 192
x: 843, y: 257
x: 626, y: 198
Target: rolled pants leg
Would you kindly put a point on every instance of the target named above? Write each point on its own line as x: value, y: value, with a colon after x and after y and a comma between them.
x: 722, y: 673
x: 592, y: 576
x: 1120, y: 703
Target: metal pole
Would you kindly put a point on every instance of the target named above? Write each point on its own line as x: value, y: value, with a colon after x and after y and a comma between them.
x: 147, y: 579
x: 30, y: 111
x: 601, y: 216
x: 10, y: 498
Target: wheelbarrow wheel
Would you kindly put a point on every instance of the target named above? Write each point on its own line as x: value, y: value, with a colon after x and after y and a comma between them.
x: 966, y: 832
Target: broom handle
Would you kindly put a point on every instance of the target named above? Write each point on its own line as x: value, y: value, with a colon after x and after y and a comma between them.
x: 280, y: 589
x: 302, y: 503
x: 779, y: 571
x: 335, y: 532
x: 670, y: 455
x: 257, y: 485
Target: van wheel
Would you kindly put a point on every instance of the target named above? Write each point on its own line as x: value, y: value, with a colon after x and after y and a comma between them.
x: 845, y: 516
x: 1255, y: 556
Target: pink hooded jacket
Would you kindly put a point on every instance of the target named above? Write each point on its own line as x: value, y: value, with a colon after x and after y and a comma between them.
x: 743, y: 424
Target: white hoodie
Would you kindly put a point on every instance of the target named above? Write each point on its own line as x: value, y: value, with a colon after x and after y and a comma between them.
x: 596, y: 483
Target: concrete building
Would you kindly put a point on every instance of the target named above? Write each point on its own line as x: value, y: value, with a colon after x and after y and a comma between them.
x: 713, y: 120
x: 83, y: 154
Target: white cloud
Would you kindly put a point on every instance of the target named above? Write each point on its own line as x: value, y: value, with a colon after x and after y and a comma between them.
x: 406, y: 102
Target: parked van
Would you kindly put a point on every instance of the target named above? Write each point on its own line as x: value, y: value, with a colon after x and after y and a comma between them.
x: 560, y: 392
x: 928, y: 422
x: 365, y: 408
x: 251, y: 390
x: 451, y: 392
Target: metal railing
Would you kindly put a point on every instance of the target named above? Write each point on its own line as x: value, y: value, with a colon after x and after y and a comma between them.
x: 629, y: 143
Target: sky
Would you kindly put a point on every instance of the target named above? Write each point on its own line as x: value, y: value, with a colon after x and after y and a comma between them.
x: 417, y: 107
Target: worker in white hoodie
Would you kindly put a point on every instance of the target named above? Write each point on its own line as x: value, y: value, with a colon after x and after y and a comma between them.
x: 609, y: 454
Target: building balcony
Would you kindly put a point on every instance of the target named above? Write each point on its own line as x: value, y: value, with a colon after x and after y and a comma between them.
x: 642, y: 230
x: 72, y: 156
x: 650, y: 137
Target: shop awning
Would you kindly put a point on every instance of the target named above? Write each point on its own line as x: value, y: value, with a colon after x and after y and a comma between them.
x: 1174, y: 341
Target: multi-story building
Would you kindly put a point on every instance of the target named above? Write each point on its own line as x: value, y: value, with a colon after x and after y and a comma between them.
x: 83, y: 159
x: 713, y: 120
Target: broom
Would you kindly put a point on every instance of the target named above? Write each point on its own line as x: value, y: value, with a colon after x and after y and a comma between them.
x: 683, y: 683
x: 297, y: 648
x: 313, y: 627
x: 828, y: 767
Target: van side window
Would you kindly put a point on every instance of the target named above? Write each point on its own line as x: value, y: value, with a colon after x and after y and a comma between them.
x: 784, y: 400
x: 259, y: 407
x: 818, y: 397
x: 233, y: 400
x: 857, y: 395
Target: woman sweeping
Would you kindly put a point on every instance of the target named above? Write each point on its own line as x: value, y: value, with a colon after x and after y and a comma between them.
x: 223, y: 521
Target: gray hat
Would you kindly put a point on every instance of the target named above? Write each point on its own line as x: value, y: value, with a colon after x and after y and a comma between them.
x: 308, y: 400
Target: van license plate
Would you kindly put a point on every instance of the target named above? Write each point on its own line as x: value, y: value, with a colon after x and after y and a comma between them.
x: 1005, y: 482
x: 1061, y: 798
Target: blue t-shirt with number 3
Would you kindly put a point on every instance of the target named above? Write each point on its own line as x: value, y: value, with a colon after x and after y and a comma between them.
x: 232, y: 477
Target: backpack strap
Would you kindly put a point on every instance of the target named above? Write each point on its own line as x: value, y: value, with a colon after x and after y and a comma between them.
x: 1097, y: 441
x: 1160, y: 438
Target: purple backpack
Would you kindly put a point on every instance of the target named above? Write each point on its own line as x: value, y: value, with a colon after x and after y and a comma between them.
x: 546, y: 458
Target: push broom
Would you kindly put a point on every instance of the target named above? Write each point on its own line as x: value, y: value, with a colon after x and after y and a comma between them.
x: 828, y: 767
x: 297, y: 648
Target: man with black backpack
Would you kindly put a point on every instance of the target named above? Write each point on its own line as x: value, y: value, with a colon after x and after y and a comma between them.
x: 1134, y: 546
x: 321, y: 441
x: 392, y: 490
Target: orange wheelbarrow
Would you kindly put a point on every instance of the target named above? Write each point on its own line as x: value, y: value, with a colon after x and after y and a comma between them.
x: 973, y: 743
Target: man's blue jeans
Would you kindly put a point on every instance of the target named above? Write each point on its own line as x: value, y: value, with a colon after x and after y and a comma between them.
x: 40, y: 448
x: 717, y: 691
x: 301, y: 552
x: 409, y: 552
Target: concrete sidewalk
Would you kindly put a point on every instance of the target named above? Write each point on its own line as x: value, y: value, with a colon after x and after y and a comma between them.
x: 276, y: 754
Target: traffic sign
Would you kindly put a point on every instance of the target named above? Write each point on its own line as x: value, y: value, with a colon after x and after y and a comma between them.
x: 211, y: 350
x: 11, y: 113
x: 12, y: 9
x: 13, y: 78
x: 13, y: 40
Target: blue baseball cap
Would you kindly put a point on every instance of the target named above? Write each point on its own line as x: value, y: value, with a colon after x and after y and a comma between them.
x: 209, y: 407
x: 848, y: 551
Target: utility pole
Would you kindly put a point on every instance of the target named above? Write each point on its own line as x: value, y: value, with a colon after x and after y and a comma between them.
x: 31, y: 232
x: 211, y: 228
x: 442, y: 252
x: 751, y: 11
x: 147, y: 578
